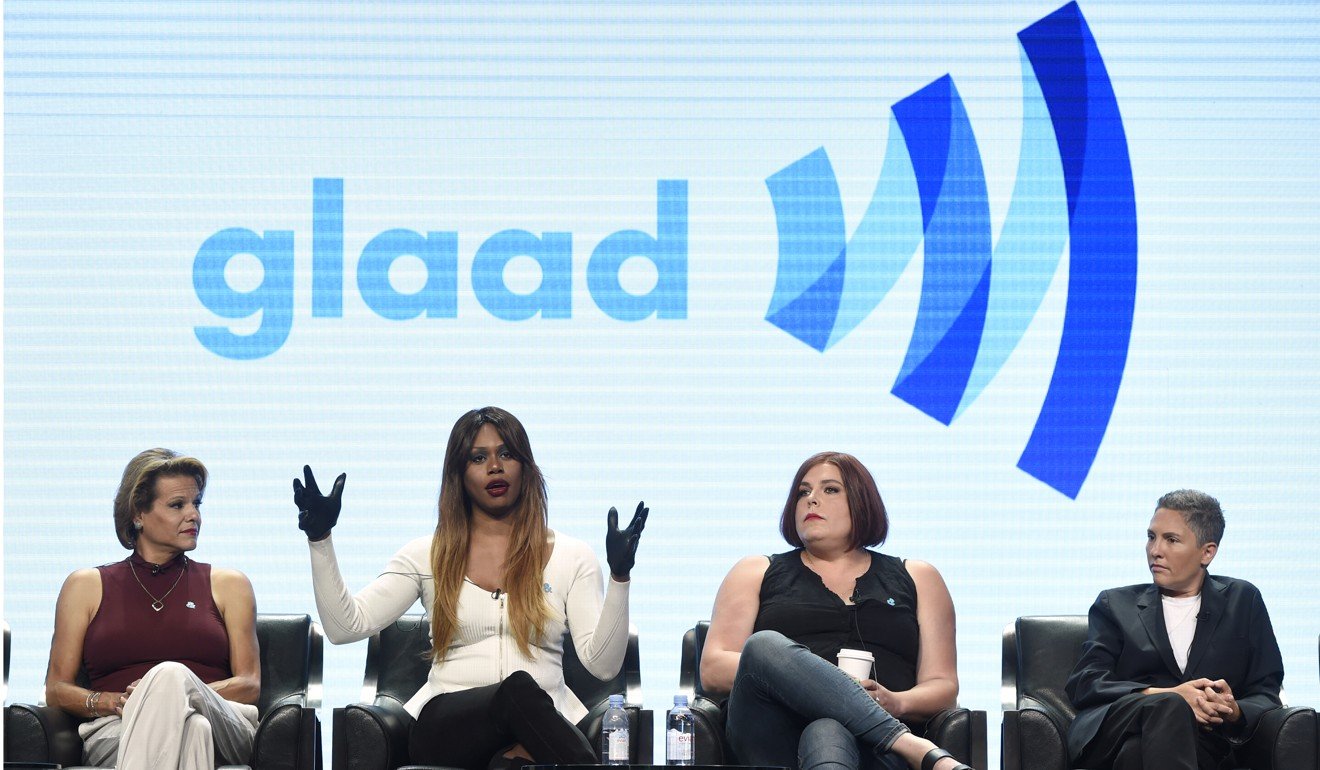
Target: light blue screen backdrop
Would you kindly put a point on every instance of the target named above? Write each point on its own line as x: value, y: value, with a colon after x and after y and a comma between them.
x: 135, y: 132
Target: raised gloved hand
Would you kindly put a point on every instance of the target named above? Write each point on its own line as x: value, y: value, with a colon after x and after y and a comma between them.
x: 621, y: 544
x: 317, y: 513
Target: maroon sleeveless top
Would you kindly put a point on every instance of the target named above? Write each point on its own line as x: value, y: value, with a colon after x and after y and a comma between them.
x: 127, y: 637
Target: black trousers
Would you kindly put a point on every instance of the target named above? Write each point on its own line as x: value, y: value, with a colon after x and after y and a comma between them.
x: 471, y: 727
x: 1154, y: 732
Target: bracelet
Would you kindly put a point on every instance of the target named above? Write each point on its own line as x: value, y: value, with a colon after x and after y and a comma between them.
x: 93, y: 702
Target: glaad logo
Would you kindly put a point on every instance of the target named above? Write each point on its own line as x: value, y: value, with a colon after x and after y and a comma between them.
x: 1074, y: 186
x: 438, y: 252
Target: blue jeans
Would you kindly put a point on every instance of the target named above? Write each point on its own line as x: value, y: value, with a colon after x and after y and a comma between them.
x: 792, y: 708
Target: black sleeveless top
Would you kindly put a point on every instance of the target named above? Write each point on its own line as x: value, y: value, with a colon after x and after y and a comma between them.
x: 882, y: 619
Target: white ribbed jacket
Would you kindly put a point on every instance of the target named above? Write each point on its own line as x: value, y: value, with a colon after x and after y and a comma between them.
x: 483, y: 651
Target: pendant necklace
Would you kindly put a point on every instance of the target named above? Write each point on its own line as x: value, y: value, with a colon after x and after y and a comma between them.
x: 158, y: 604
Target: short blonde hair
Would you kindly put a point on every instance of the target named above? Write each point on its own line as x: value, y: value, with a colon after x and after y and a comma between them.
x: 137, y: 489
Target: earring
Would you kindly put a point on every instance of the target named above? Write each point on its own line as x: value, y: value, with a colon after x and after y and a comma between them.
x: 137, y: 525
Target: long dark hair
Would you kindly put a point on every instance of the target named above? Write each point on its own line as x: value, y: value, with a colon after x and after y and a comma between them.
x: 529, y: 549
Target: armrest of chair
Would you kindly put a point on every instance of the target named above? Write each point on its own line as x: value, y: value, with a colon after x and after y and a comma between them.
x: 710, y: 746
x: 288, y: 738
x: 41, y: 734
x: 961, y: 732
x: 641, y: 727
x: 1285, y: 738
x: 1033, y: 732
x: 370, y: 736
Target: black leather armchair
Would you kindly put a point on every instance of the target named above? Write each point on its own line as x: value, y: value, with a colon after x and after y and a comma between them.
x: 710, y: 746
x: 373, y: 734
x: 288, y: 738
x: 6, y: 691
x: 961, y: 731
x: 1038, y: 655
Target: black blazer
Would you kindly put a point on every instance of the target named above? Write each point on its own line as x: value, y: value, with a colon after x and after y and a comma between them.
x: 1127, y: 650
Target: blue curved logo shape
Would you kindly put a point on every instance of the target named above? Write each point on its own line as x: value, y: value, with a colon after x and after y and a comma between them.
x: 1074, y: 186
x: 955, y: 215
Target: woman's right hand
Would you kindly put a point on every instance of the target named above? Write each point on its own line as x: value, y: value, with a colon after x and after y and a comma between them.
x: 113, y: 702
x: 79, y: 599
x: 317, y: 513
x: 732, y: 620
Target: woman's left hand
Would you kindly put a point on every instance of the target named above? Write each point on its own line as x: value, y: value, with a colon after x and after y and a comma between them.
x: 621, y: 544
x: 885, y: 699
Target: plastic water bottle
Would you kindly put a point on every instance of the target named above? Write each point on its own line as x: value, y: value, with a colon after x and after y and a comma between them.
x: 614, y: 733
x: 679, y: 733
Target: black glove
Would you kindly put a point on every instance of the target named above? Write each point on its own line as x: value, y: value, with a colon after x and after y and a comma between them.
x: 621, y: 544
x: 316, y: 512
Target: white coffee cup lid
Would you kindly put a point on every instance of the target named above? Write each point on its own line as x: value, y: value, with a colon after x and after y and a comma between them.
x: 861, y: 654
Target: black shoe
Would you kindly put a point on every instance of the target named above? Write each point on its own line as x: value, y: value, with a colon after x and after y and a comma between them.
x: 935, y: 755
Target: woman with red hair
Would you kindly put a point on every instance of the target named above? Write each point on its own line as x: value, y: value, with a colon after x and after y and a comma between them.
x: 780, y: 622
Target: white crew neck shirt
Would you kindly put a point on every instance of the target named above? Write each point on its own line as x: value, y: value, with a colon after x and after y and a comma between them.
x: 1180, y: 621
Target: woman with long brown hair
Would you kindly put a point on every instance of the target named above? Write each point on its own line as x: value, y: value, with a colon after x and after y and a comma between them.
x: 500, y: 588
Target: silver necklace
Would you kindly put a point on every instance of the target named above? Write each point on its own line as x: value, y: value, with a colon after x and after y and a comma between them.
x: 158, y: 604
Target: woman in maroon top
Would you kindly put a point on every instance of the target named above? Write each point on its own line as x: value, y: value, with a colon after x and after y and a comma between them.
x: 168, y: 645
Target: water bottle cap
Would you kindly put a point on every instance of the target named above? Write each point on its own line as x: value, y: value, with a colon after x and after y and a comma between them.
x: 616, y: 701
x: 680, y: 700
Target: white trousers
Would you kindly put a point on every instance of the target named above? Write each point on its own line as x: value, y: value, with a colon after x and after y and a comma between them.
x: 172, y: 721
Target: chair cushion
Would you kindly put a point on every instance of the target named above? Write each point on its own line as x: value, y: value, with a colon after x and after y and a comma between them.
x: 1048, y: 648
x: 285, y: 657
